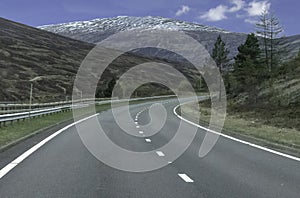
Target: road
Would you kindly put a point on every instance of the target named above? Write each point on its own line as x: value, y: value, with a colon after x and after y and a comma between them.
x: 63, y: 167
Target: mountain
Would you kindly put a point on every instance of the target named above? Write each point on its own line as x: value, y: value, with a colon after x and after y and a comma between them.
x: 27, y: 53
x: 96, y: 30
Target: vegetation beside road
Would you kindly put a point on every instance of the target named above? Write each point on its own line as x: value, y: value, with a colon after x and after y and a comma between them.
x: 263, y: 89
x: 252, y: 126
x: 21, y: 129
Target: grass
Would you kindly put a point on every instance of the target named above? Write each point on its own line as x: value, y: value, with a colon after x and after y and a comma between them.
x: 20, y: 129
x: 253, y: 128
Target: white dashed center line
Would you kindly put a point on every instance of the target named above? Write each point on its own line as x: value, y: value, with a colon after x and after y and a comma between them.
x: 148, y: 140
x: 160, y: 153
x: 185, y: 178
x: 141, y: 132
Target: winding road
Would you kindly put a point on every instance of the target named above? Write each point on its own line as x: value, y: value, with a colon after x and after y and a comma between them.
x: 63, y: 167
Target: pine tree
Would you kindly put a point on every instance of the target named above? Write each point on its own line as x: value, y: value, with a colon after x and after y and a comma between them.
x: 219, y: 54
x: 248, y: 71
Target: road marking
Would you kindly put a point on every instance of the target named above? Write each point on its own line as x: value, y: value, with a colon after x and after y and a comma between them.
x: 235, y: 139
x: 185, y: 178
x: 137, y: 127
x: 135, y: 122
x: 23, y: 156
x: 148, y: 140
x: 6, y: 169
x: 160, y: 153
x: 27, y: 153
x: 141, y: 132
x: 138, y: 114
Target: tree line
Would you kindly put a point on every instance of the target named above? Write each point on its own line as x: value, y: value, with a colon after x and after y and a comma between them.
x: 257, y: 62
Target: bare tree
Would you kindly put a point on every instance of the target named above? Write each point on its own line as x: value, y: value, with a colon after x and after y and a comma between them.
x: 269, y: 29
x: 262, y: 31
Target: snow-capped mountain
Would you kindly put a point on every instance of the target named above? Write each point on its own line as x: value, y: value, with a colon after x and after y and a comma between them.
x: 122, y: 23
x: 96, y: 30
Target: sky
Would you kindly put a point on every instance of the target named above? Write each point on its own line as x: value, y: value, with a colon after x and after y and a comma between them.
x: 232, y: 15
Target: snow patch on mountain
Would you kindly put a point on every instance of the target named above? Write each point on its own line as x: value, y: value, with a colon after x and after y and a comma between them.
x: 122, y: 23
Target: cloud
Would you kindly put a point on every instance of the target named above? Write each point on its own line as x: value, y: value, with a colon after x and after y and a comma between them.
x: 215, y: 14
x: 250, y: 10
x: 255, y: 8
x: 238, y: 5
x: 183, y: 10
x: 219, y: 13
x: 251, y: 21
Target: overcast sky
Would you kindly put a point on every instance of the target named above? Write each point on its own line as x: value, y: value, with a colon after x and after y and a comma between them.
x: 233, y: 15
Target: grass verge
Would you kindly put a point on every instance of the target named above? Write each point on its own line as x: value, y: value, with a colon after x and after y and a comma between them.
x: 248, y: 127
x: 20, y: 129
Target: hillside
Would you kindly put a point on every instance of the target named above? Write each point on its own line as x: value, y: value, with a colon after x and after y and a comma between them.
x: 27, y: 53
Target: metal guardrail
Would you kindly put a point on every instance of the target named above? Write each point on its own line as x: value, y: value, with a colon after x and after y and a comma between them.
x: 6, y: 108
x: 24, y: 115
x: 4, y: 118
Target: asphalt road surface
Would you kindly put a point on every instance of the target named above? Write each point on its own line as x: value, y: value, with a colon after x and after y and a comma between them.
x: 64, y: 167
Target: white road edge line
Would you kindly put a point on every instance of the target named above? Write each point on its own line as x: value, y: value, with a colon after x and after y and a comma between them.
x: 185, y: 178
x: 236, y: 139
x: 27, y: 153
x: 160, y: 153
